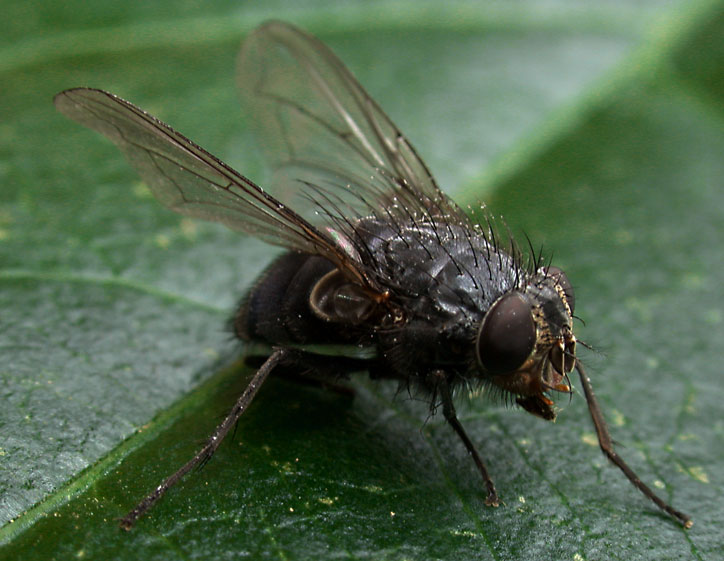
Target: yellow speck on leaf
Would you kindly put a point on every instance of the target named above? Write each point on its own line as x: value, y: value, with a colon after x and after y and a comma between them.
x: 211, y: 352
x: 617, y: 418
x: 141, y: 190
x: 698, y: 473
x: 623, y: 237
x: 689, y: 406
x: 162, y: 241
x: 189, y: 228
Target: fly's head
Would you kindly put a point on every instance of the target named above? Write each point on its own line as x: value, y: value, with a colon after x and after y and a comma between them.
x: 525, y: 345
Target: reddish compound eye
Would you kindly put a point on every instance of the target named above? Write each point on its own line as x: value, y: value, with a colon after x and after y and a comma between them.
x: 507, y: 335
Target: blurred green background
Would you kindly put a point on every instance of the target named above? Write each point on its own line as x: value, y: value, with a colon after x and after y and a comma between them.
x: 595, y: 128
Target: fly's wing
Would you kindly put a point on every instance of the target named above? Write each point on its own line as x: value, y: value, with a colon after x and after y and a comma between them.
x: 319, y: 128
x: 187, y: 179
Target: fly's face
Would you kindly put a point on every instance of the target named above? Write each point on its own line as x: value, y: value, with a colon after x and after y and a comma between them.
x: 525, y: 344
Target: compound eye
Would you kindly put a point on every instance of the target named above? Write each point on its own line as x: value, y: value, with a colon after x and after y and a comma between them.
x: 507, y: 335
x: 561, y: 279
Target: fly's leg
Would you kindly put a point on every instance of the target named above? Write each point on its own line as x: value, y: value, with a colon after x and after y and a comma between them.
x: 203, y: 455
x: 604, y: 440
x: 448, y: 409
x: 321, y: 371
x: 315, y: 382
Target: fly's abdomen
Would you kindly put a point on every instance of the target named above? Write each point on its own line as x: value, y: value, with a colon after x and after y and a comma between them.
x: 276, y: 309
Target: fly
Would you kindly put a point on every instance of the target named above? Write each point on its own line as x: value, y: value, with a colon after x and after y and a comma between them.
x: 380, y: 259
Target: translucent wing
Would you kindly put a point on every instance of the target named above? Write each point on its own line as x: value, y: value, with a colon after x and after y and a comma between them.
x: 187, y: 179
x: 320, y: 128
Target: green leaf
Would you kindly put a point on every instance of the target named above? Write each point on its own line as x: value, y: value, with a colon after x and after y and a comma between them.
x: 594, y: 131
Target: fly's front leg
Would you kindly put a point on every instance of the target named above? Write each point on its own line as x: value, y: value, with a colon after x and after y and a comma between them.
x: 606, y: 443
x: 442, y: 387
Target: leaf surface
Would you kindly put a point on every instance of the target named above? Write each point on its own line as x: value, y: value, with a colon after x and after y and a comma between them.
x: 599, y: 141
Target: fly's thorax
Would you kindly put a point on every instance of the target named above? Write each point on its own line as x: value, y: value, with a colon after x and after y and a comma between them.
x: 525, y: 345
x: 437, y: 271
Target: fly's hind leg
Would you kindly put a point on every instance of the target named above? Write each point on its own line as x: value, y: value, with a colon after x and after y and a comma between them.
x: 442, y: 388
x: 213, y: 442
x: 314, y: 367
x: 322, y: 371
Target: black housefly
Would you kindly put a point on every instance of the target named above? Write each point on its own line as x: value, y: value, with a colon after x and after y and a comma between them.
x: 382, y: 264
